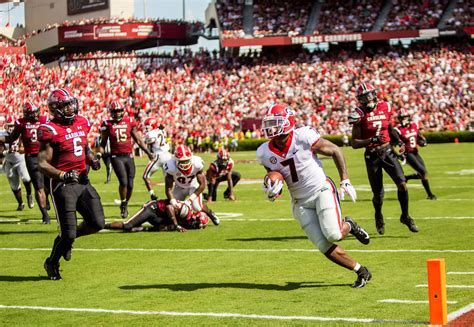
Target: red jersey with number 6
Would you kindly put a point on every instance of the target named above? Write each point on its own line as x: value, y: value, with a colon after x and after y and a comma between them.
x: 69, y: 143
x: 409, y: 136
x: 119, y: 134
x: 29, y: 133
x: 376, y: 122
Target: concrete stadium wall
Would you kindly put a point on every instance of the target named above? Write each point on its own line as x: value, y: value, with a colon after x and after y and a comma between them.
x: 42, y: 41
x: 40, y: 13
x: 12, y: 32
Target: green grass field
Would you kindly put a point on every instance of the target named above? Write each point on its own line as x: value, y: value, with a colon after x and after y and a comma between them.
x: 256, y: 268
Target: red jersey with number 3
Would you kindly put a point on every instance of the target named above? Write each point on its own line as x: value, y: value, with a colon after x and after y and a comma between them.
x: 69, y: 143
x: 376, y: 122
x: 29, y: 133
x: 119, y: 134
x: 409, y: 136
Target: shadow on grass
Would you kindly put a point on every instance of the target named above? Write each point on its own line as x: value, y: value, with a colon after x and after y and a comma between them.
x: 22, y: 278
x: 290, y: 286
x: 278, y: 239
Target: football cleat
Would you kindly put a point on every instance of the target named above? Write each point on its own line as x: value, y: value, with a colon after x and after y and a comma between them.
x: 358, y: 231
x: 30, y: 201
x: 410, y: 223
x: 46, y: 220
x: 432, y: 197
x: 153, y: 197
x: 123, y: 210
x: 363, y: 276
x: 380, y: 225
x: 52, y: 270
x: 20, y: 207
x: 215, y: 220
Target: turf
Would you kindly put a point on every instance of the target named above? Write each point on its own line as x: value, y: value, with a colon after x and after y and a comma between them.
x: 257, y: 262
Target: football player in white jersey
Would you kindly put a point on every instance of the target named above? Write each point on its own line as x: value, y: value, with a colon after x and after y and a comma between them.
x: 185, y: 177
x: 155, y: 138
x: 15, y: 167
x: 315, y: 199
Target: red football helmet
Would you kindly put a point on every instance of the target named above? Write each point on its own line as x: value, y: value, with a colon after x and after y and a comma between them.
x: 63, y: 105
x: 183, y: 157
x: 30, y: 111
x: 9, y: 124
x: 403, y: 117
x: 199, y: 220
x: 279, y: 120
x: 116, y: 110
x: 150, y: 124
x: 185, y: 211
x: 223, y: 156
x: 367, y: 95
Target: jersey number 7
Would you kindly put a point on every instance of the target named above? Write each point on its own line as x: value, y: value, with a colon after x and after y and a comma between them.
x: 291, y: 163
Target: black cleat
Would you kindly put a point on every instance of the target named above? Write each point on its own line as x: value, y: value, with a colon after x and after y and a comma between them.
x: 215, y: 220
x: 358, y: 231
x: 46, y: 220
x: 380, y: 225
x: 20, y: 207
x: 123, y: 210
x: 410, y: 223
x: 153, y: 197
x: 432, y: 197
x: 363, y: 276
x: 52, y: 270
x: 30, y: 201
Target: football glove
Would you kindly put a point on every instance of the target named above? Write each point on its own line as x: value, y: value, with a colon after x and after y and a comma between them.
x: 95, y: 163
x: 402, y: 149
x: 273, y: 190
x: 69, y: 177
x: 346, y: 187
x: 355, y: 116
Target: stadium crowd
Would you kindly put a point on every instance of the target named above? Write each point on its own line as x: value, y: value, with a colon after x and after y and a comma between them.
x: 184, y: 90
x: 413, y: 14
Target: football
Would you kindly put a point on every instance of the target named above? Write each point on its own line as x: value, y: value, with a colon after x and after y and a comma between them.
x: 274, y: 176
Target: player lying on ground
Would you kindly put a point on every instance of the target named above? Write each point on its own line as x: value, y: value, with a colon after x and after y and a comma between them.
x: 163, y: 217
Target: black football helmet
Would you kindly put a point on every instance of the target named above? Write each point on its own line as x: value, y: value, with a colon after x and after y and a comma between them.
x: 31, y: 112
x: 63, y: 105
x: 367, y: 96
x: 116, y: 111
x: 404, y: 117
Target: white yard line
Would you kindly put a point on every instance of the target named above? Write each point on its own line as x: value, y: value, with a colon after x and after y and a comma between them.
x: 238, y: 250
x: 460, y: 273
x: 212, y: 315
x: 410, y: 301
x: 449, y: 286
x: 460, y: 312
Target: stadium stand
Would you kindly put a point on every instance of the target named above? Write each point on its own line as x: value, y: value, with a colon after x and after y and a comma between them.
x: 462, y: 14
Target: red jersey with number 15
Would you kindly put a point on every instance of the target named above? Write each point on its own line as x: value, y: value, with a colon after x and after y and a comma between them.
x: 69, y: 143
x: 376, y: 122
x: 29, y: 133
x: 119, y: 134
x: 409, y: 136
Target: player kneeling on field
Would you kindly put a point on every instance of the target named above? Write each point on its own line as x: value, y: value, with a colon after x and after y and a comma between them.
x: 163, y: 217
x: 291, y: 155
x: 221, y: 170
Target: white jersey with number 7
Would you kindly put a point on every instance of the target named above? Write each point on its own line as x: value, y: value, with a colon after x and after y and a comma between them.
x: 302, y: 170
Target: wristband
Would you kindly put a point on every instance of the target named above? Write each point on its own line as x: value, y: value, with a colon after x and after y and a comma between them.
x: 61, y: 175
x: 192, y: 197
x: 173, y: 202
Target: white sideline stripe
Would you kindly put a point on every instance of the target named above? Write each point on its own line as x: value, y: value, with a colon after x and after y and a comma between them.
x: 449, y: 286
x: 237, y: 250
x: 460, y: 273
x: 358, y: 218
x: 410, y: 301
x: 212, y: 314
x: 460, y: 312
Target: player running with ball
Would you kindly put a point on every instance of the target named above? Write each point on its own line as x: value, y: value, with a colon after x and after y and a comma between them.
x: 293, y: 153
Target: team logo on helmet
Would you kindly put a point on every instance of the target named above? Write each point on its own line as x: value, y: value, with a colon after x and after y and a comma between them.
x: 279, y: 120
x: 151, y: 123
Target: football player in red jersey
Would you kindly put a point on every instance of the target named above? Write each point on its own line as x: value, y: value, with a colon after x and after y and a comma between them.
x: 163, y: 217
x: 120, y: 130
x: 372, y: 130
x: 410, y: 135
x: 221, y: 170
x: 26, y: 128
x: 63, y: 156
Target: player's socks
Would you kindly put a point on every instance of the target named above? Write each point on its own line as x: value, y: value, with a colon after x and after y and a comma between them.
x: 403, y: 199
x: 426, y: 185
x: 19, y: 199
x: 45, y: 216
